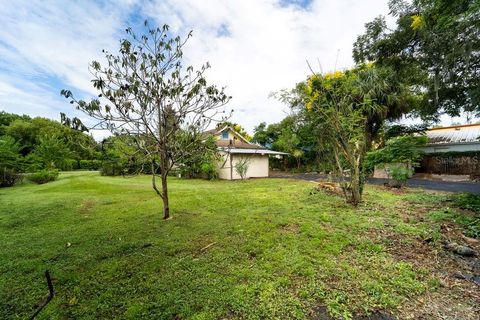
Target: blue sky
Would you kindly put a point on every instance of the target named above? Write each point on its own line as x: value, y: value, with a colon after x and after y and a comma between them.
x: 255, y: 47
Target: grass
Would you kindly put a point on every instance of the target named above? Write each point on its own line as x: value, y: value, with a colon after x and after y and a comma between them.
x: 254, y: 249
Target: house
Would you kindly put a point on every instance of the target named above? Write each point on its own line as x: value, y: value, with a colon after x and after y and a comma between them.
x: 234, y: 149
x: 453, y: 150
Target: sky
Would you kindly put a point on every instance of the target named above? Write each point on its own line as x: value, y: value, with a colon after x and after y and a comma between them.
x: 254, y: 47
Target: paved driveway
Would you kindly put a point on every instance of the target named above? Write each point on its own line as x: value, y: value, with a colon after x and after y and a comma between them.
x: 472, y: 187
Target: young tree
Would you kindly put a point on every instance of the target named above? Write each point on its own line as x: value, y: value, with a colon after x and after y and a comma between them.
x: 147, y: 93
x: 241, y: 167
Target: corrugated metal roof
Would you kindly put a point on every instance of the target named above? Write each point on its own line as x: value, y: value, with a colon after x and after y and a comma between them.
x: 454, y: 135
x: 252, y: 151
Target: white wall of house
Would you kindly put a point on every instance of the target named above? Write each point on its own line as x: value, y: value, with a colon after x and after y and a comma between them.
x: 257, y: 166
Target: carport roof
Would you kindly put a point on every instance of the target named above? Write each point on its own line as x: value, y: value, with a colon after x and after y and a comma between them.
x: 454, y: 134
x: 253, y: 151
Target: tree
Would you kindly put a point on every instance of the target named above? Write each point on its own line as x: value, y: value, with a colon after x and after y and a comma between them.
x: 51, y: 153
x: 146, y: 92
x: 349, y: 109
x: 241, y: 167
x: 434, y: 46
x: 7, y: 118
x: 202, y: 162
x: 10, y: 161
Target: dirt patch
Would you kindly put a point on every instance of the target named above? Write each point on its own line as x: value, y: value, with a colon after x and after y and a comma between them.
x: 457, y: 295
x: 86, y: 207
x: 289, y: 228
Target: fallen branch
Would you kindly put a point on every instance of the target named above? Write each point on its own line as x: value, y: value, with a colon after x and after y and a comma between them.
x: 207, y: 246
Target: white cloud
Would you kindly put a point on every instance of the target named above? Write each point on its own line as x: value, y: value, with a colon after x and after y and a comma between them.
x: 267, y: 45
x: 254, y: 46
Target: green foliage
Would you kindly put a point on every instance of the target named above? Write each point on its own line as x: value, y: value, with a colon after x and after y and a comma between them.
x: 7, y: 118
x: 146, y: 92
x: 90, y: 164
x: 241, y: 167
x: 435, y: 47
x: 9, y: 177
x: 396, y: 130
x: 43, y: 143
x: 51, y: 153
x: 467, y: 201
x: 399, y: 175
x: 296, y: 135
x: 404, y: 149
x: 349, y: 109
x: 9, y: 153
x: 43, y: 176
x: 112, y: 168
x: 201, y: 161
x: 10, y: 162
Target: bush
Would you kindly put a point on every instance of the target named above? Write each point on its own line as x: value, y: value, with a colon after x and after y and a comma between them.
x: 241, y: 167
x: 90, y: 164
x: 209, y: 169
x: 43, y: 176
x: 112, y: 168
x: 8, y: 177
x: 68, y: 165
x: 399, y: 175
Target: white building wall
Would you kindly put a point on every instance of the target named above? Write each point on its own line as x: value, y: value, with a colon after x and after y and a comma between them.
x: 257, y: 166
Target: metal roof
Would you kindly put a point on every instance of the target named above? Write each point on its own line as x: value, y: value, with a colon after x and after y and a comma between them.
x: 252, y: 151
x: 454, y: 135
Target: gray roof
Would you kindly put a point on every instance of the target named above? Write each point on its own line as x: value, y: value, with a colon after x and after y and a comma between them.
x: 454, y: 135
x: 253, y: 151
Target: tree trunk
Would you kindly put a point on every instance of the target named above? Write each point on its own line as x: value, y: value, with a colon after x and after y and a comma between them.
x: 355, y: 186
x: 166, y: 208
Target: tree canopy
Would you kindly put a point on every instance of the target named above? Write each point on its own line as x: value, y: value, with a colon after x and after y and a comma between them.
x: 146, y: 92
x: 434, y: 46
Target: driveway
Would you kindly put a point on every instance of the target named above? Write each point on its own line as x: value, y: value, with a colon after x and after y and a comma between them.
x: 472, y: 187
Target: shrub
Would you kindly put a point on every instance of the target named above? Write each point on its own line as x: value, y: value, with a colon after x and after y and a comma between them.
x: 241, y: 167
x: 43, y: 176
x: 112, y: 168
x: 8, y: 177
x: 90, y: 164
x: 209, y: 169
x: 404, y: 149
x: 68, y: 165
x: 399, y: 175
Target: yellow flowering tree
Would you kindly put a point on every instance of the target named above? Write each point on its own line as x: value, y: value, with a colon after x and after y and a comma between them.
x: 350, y: 108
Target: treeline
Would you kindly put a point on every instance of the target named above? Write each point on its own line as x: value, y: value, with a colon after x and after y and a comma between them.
x: 308, y: 151
x: 38, y: 148
x: 42, y: 146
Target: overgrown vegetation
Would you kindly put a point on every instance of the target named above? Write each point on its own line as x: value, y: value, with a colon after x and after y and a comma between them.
x: 33, y: 144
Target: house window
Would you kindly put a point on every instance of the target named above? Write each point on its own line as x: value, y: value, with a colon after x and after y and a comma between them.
x: 225, y: 135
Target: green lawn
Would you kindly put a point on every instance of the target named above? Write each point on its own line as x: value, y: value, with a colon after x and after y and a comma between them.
x: 254, y: 249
